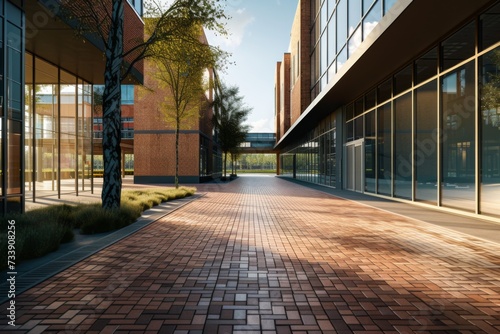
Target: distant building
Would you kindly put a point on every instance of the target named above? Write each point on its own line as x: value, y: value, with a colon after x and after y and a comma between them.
x: 154, y: 140
x: 397, y: 99
x: 127, y: 130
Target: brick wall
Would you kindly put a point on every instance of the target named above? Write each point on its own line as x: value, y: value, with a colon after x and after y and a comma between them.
x: 277, y: 101
x: 154, y: 139
x: 300, y: 60
x: 154, y: 154
x: 285, y: 94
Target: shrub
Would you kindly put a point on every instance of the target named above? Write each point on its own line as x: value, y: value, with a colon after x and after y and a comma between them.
x: 94, y: 219
x: 41, y: 231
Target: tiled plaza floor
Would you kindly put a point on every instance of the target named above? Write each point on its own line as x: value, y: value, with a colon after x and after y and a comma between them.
x: 265, y: 255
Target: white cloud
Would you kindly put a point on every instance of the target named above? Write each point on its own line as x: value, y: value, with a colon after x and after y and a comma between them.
x: 236, y: 26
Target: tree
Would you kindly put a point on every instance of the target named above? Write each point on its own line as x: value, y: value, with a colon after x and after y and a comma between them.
x: 183, y: 74
x: 229, y: 115
x: 490, y: 91
x: 104, y: 20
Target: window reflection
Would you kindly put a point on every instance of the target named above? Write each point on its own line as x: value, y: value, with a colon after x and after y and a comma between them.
x: 426, y: 140
x: 458, y: 47
x: 372, y: 19
x: 490, y: 137
x: 370, y: 158
x: 426, y: 66
x: 490, y: 27
x: 458, y: 165
x: 403, y: 169
x: 384, y: 155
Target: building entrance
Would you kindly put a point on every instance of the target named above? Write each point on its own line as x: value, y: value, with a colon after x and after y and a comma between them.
x: 355, y: 165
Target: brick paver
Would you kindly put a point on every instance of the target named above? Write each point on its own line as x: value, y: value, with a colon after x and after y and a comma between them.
x: 263, y: 255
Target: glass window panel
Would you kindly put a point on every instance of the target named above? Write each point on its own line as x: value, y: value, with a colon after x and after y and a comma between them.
x: 358, y: 107
x: 341, y: 24
x: 370, y: 99
x: 358, y: 128
x: 403, y: 171
x: 28, y: 127
x: 331, y: 71
x: 324, y: 81
x: 403, y: 80
x: 370, y: 140
x: 384, y: 91
x: 331, y: 7
x: 127, y: 94
x: 388, y: 5
x: 426, y: 140
x: 14, y: 72
x: 14, y: 159
x: 68, y: 158
x: 314, y: 36
x: 372, y: 18
x: 46, y: 127
x: 490, y: 27
x: 14, y: 37
x: 68, y: 129
x: 332, y: 51
x: 490, y: 135
x: 137, y: 5
x: 384, y: 152
x: 458, y: 47
x: 315, y: 66
x: 354, y: 11
x: 350, y: 131
x: 13, y: 13
x: 366, y: 5
x: 458, y: 165
x: 68, y: 109
x: 324, y: 53
x: 341, y: 58
x: 426, y: 66
x: 354, y: 41
x: 14, y: 93
x: 349, y: 111
x: 332, y: 159
x: 14, y: 64
x: 324, y: 16
x: 87, y: 111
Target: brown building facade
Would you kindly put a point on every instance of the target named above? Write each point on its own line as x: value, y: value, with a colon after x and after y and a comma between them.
x: 154, y: 138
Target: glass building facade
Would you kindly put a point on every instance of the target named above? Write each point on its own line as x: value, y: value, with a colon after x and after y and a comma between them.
x: 338, y: 27
x: 11, y: 106
x: 58, y: 130
x: 429, y: 132
x: 46, y: 104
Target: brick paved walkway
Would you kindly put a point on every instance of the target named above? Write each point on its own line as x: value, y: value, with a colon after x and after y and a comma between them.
x: 266, y: 255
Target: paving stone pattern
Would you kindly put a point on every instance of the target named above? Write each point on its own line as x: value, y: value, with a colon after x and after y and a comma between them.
x: 264, y: 255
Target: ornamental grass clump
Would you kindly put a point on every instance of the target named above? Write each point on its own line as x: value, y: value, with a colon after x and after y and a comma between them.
x: 41, y: 231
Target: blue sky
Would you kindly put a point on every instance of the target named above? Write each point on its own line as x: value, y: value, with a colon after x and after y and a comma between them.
x: 259, y: 35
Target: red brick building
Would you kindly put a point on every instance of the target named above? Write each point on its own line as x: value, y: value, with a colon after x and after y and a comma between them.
x: 154, y: 140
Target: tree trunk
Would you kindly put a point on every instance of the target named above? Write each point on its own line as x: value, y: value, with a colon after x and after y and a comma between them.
x: 225, y: 163
x: 112, y: 183
x: 178, y: 125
